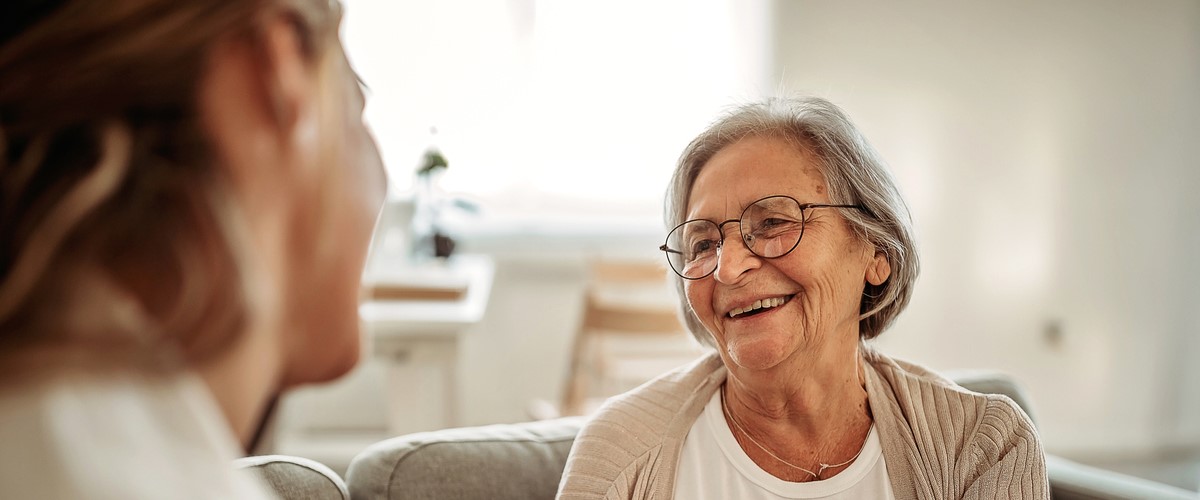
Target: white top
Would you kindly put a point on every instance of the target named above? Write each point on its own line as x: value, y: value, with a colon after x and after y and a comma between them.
x: 117, y: 436
x: 712, y: 465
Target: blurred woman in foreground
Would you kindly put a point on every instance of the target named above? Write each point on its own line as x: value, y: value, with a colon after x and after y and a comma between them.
x: 188, y: 192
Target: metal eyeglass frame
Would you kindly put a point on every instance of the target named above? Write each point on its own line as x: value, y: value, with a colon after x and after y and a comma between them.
x: 721, y: 229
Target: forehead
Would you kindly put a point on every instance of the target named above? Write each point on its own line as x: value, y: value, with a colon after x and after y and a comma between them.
x: 751, y: 169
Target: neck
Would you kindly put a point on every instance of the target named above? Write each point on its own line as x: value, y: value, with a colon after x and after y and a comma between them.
x: 246, y: 378
x: 816, y: 407
x: 242, y: 384
x: 809, y: 389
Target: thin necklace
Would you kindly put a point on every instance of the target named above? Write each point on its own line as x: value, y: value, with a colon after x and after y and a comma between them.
x: 816, y: 475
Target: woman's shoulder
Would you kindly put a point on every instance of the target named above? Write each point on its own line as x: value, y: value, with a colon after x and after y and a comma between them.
x: 908, y: 381
x: 640, y: 428
x: 646, y: 413
x: 987, y: 437
x: 72, y: 433
x: 914, y: 397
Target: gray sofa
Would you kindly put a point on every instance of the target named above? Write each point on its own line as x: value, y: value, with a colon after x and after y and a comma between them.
x: 514, y: 461
x: 295, y: 478
x: 525, y: 461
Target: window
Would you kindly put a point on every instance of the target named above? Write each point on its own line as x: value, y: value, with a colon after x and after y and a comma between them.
x: 557, y: 105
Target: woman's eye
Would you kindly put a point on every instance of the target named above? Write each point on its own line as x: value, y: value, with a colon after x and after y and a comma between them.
x: 702, y: 246
x: 777, y: 223
x: 775, y: 227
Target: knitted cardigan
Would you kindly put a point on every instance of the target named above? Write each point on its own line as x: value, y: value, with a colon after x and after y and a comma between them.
x: 939, y: 440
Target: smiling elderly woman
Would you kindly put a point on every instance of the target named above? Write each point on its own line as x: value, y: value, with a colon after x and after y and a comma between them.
x: 793, y: 403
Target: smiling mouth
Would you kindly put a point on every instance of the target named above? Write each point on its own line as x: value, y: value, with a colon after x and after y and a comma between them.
x: 759, y: 307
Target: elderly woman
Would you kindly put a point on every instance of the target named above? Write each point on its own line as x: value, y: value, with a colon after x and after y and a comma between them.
x: 188, y: 193
x: 793, y: 403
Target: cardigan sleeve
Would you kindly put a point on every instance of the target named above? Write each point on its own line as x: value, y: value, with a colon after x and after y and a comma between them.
x: 596, y: 466
x: 1007, y: 461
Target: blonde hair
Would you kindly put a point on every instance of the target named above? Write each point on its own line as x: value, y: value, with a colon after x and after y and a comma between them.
x: 854, y: 174
x: 116, y: 230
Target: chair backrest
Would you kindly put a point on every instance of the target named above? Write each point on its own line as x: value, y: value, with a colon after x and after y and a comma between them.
x: 629, y: 332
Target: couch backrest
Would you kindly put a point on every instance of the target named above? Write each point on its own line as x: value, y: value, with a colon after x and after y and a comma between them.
x: 518, y: 462
x: 295, y: 477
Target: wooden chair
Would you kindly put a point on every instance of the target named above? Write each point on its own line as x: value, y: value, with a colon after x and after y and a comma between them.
x: 629, y: 332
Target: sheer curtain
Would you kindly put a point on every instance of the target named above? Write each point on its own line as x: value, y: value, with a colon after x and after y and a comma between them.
x: 553, y: 106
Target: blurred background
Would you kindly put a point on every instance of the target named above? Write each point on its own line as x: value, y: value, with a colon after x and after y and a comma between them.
x: 1048, y: 152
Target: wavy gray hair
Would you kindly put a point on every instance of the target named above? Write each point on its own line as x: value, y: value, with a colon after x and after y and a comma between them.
x: 854, y: 174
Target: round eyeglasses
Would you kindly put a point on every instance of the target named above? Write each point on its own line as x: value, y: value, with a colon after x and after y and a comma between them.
x: 770, y: 228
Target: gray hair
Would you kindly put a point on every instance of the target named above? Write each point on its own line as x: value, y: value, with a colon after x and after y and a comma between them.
x: 854, y: 175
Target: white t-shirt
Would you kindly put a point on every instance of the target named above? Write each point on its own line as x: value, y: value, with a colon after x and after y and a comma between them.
x: 712, y: 465
x: 117, y: 435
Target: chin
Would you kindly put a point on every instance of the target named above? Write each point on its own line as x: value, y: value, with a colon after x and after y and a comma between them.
x: 330, y: 352
x: 760, y: 353
x: 338, y: 366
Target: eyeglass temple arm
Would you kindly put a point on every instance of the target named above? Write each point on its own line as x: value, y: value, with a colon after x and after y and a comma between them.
x: 820, y: 205
x: 667, y: 249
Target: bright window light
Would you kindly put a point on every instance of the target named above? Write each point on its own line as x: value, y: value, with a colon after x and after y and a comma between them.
x: 553, y: 104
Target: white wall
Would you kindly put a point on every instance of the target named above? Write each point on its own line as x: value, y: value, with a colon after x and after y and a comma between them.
x: 1048, y: 151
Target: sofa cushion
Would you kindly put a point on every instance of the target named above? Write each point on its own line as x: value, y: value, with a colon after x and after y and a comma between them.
x: 295, y: 478
x: 518, y: 462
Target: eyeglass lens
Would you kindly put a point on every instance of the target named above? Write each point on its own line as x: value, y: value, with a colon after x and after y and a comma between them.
x: 770, y: 228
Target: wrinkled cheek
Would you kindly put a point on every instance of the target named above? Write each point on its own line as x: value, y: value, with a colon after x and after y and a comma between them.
x: 824, y: 309
x: 810, y: 313
x: 699, y: 297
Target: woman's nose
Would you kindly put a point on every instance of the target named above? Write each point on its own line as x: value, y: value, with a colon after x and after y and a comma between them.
x: 734, y: 258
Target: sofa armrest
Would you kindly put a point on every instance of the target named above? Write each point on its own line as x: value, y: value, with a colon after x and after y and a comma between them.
x: 1072, y: 480
x: 295, y: 478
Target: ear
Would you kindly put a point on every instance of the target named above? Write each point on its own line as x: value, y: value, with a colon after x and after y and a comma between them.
x: 288, y: 77
x: 879, y: 269
x: 256, y: 95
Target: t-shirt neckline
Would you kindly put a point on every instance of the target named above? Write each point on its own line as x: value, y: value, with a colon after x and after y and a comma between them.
x: 732, y: 451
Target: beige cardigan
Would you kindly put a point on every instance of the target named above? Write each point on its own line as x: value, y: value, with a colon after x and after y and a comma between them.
x: 939, y: 440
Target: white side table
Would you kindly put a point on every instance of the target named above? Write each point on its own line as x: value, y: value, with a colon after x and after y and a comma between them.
x: 418, y: 341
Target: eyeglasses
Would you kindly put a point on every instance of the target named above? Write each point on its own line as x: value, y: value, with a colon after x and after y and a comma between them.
x: 770, y: 228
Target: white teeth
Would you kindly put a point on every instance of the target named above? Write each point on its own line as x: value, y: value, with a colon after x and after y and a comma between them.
x: 758, y: 304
